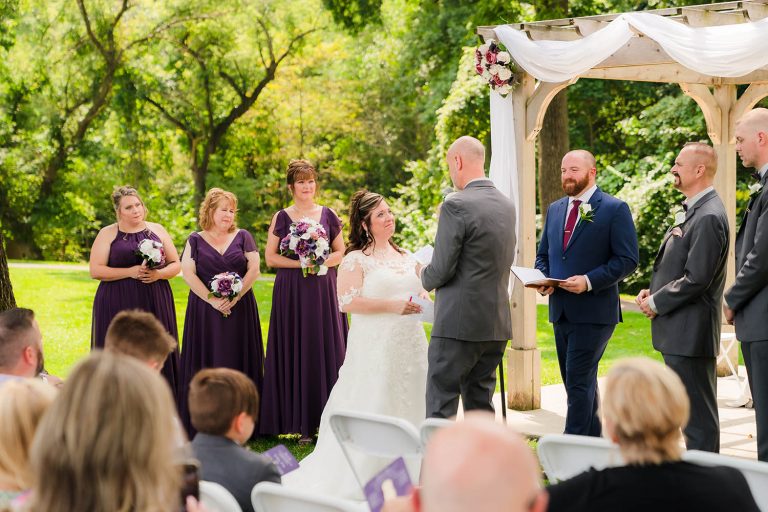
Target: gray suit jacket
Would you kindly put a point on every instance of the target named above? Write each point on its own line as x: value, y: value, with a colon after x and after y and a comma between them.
x: 236, y: 468
x: 688, y: 281
x: 474, y: 250
x: 748, y: 296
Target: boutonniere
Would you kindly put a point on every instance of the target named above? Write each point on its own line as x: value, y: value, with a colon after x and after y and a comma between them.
x: 679, y: 217
x: 755, y: 189
x: 585, y: 212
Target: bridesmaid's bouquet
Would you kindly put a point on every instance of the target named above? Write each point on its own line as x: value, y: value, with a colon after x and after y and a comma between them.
x: 308, y: 240
x: 226, y: 285
x: 152, y: 252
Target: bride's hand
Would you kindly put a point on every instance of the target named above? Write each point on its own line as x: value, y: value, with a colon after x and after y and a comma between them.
x: 405, y: 307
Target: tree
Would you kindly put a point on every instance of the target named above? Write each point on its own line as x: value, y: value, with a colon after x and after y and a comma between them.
x: 553, y: 140
x: 7, y: 300
x: 211, y: 72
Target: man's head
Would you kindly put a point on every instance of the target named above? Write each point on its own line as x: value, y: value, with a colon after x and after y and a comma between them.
x: 577, y: 172
x: 482, y: 466
x: 695, y: 168
x: 466, y: 161
x: 223, y: 402
x: 21, y: 343
x: 140, y: 335
x: 752, y: 138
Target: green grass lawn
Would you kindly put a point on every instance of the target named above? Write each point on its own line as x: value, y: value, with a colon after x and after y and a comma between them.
x: 62, y: 300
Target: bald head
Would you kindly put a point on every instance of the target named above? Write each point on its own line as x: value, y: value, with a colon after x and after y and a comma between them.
x: 585, y: 156
x: 479, y: 465
x: 466, y: 160
x: 703, y: 154
x: 752, y: 138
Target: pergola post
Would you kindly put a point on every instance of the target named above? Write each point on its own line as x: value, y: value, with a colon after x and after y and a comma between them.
x: 529, y: 104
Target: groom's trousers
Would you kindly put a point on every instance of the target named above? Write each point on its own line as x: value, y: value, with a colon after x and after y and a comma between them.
x: 461, y: 368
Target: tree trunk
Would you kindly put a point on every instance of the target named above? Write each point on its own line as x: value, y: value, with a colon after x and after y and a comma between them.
x: 553, y: 144
x: 7, y: 300
x: 553, y: 140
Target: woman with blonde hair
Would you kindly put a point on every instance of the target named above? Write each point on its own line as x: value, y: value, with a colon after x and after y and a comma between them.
x: 22, y: 405
x: 219, y: 332
x: 108, y: 442
x: 644, y: 409
x: 127, y: 281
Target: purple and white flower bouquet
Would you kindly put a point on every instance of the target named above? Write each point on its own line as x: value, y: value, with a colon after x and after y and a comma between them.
x: 226, y: 285
x: 308, y: 240
x: 152, y: 252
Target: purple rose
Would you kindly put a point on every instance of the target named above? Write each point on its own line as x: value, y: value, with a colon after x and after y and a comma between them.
x: 224, y: 286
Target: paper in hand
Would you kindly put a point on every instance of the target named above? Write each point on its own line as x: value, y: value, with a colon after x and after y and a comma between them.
x: 390, y: 482
x: 283, y: 459
x: 424, y: 255
x: 427, y: 309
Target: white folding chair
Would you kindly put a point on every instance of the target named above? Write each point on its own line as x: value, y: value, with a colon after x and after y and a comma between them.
x: 271, y: 497
x: 755, y: 472
x: 217, y: 499
x: 429, y: 426
x: 564, y: 456
x: 381, y: 439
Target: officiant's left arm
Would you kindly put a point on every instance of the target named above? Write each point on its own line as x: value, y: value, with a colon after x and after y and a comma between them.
x: 624, y: 252
x: 448, y: 244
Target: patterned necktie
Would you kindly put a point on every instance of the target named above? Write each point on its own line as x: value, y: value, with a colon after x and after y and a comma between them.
x: 571, y: 222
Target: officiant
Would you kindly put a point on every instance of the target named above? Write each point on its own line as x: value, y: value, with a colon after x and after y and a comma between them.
x: 589, y: 240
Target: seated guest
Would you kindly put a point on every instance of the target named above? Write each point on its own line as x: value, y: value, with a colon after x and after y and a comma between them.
x: 644, y: 409
x: 224, y: 409
x: 476, y: 465
x: 108, y: 442
x: 21, y: 345
x: 140, y: 335
x: 22, y: 404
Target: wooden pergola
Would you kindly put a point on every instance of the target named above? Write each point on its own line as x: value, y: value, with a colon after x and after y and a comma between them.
x: 641, y: 59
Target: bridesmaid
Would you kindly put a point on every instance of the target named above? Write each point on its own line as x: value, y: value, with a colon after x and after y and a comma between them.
x: 212, y: 339
x: 128, y: 284
x: 307, y: 334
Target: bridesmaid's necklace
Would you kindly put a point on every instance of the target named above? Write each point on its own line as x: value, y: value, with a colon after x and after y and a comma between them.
x: 126, y: 233
x: 302, y: 213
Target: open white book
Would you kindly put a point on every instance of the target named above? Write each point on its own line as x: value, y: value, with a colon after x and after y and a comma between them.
x: 533, y: 277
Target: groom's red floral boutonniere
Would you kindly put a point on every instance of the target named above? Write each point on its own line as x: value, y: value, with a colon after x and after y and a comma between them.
x: 586, y: 213
x: 495, y: 66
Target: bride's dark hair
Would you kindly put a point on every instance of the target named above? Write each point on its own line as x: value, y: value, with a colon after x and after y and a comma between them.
x: 361, y: 207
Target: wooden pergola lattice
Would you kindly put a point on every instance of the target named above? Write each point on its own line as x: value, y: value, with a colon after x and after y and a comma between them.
x: 641, y: 59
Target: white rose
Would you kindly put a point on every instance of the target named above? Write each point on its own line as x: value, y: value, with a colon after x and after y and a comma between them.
x: 486, y: 75
x: 323, y: 270
x: 494, y: 69
x: 585, y: 208
x: 505, y: 73
x: 215, y: 284
x: 504, y: 89
x: 503, y: 58
x: 292, y: 243
x: 679, y: 218
x: 146, y: 246
x: 322, y: 244
x: 237, y: 285
x: 485, y: 47
x: 155, y: 255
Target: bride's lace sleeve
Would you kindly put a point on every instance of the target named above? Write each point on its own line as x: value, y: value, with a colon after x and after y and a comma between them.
x: 350, y: 279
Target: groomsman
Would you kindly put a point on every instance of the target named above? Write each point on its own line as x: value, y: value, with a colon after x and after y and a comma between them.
x: 686, y: 290
x: 746, y: 302
x: 589, y: 240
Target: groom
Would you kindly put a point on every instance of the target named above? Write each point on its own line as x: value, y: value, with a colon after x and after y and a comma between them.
x: 474, y: 249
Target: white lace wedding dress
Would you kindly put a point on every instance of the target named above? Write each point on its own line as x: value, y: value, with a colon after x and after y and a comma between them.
x: 384, y: 371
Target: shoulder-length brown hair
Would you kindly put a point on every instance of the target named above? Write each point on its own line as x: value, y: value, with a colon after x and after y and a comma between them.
x: 361, y: 207
x: 213, y: 199
x: 108, y: 442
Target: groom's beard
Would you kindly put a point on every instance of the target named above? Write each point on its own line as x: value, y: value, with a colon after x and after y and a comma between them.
x: 571, y: 187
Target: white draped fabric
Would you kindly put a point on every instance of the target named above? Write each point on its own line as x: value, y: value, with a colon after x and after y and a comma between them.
x: 725, y: 51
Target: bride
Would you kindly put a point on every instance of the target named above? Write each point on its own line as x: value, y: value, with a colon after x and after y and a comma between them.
x: 385, y: 368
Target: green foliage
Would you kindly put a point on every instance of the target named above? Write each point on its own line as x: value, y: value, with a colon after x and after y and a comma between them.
x: 354, y: 15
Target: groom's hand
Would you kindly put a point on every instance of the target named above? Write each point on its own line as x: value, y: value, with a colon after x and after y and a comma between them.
x: 575, y: 284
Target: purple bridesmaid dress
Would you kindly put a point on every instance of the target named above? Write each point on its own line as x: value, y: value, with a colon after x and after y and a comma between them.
x: 210, y: 340
x: 113, y: 297
x: 306, y: 343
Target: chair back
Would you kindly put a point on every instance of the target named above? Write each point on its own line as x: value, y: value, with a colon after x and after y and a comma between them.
x: 217, y: 499
x: 755, y: 472
x: 379, y: 440
x: 430, y: 426
x: 564, y: 456
x: 271, y: 497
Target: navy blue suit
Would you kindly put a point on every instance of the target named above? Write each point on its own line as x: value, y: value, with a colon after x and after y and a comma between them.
x: 605, y: 250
